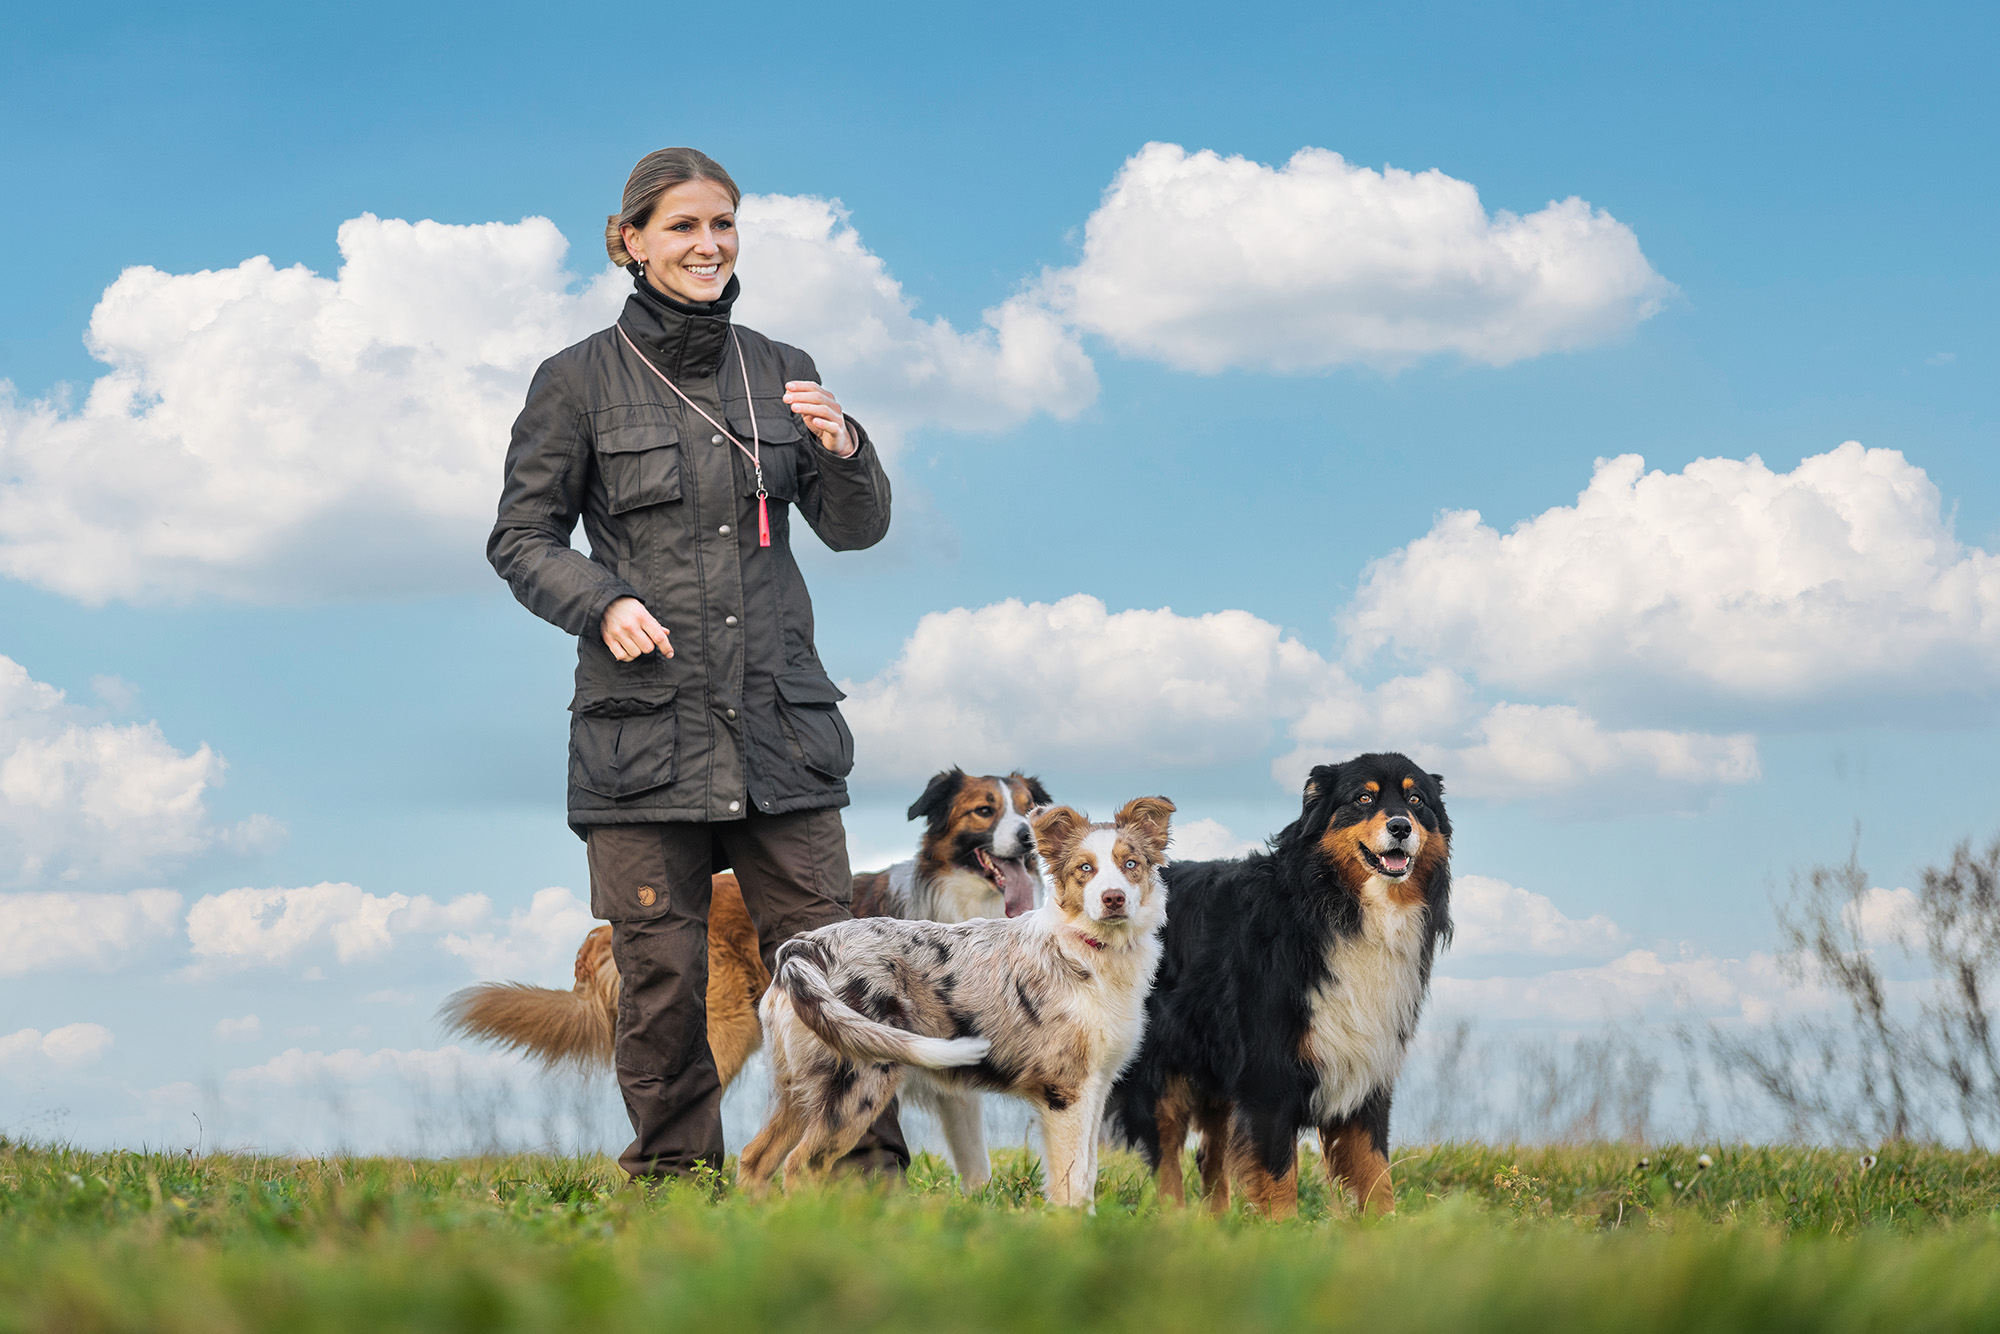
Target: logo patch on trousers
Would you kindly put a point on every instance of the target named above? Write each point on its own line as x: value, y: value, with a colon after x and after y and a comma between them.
x: 646, y: 896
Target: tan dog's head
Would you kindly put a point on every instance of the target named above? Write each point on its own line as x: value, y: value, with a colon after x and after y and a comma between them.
x: 1106, y: 877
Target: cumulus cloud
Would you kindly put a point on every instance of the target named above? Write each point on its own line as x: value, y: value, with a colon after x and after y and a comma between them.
x: 1493, y: 917
x: 808, y: 280
x: 59, y: 931
x: 271, y: 434
x: 537, y: 941
x: 1017, y: 683
x: 1886, y: 917
x: 1209, y: 840
x: 241, y: 928
x: 275, y: 435
x: 80, y: 798
x: 1074, y: 684
x: 1207, y: 262
x: 245, y: 1029
x: 70, y: 1045
x: 1725, y: 579
x: 1638, y: 983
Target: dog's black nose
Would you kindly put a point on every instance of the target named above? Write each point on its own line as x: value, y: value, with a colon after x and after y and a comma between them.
x: 1114, y: 900
x: 1399, y: 826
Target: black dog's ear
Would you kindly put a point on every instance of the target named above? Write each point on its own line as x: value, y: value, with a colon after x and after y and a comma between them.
x: 1439, y: 780
x: 1037, y: 794
x: 937, y: 796
x: 1324, y: 778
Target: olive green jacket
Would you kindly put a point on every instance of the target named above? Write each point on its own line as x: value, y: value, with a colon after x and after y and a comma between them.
x: 743, y: 716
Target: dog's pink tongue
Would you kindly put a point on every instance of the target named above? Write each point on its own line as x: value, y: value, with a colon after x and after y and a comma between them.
x: 1017, y: 887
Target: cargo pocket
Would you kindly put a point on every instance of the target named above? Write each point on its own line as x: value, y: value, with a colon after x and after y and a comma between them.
x: 638, y: 455
x: 780, y: 437
x: 622, y: 746
x: 819, y: 733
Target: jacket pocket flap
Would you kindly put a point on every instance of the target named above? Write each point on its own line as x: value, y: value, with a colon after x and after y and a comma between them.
x: 775, y: 423
x: 809, y: 688
x: 631, y: 427
x: 629, y: 701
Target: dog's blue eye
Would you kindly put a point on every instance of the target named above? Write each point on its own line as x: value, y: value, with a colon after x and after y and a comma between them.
x: 1131, y: 865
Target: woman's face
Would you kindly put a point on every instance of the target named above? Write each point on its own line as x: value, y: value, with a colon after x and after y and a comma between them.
x: 689, y: 244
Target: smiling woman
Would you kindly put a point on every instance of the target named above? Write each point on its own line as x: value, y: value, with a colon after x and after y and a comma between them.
x: 705, y: 731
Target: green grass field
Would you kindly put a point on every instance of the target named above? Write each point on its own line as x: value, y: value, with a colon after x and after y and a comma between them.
x: 1485, y: 1238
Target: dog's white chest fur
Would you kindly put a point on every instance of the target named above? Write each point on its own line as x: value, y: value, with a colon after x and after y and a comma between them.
x: 1363, y: 1015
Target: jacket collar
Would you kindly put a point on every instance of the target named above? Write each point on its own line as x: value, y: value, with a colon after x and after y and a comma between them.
x: 684, y: 338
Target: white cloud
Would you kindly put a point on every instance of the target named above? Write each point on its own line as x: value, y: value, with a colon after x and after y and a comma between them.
x: 1207, y: 262
x: 1493, y: 917
x: 70, y: 1045
x: 1726, y: 579
x: 538, y: 941
x: 270, y: 434
x: 51, y: 931
x: 1892, y: 917
x: 1075, y: 684
x: 809, y: 281
x: 245, y: 1029
x: 1070, y: 682
x: 1209, y: 840
x: 277, y: 436
x: 78, y: 798
x: 1639, y: 983
x: 1551, y: 748
x: 251, y: 927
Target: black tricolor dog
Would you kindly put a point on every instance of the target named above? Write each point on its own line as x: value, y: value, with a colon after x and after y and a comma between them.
x: 1290, y: 988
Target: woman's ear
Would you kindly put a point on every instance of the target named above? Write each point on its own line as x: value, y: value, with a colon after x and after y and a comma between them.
x: 633, y: 245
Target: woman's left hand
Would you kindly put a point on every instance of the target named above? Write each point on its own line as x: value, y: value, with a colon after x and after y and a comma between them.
x: 822, y: 413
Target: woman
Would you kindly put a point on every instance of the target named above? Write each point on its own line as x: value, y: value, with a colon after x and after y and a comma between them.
x: 704, y: 731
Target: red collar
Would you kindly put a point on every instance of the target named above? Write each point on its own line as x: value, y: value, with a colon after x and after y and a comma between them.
x: 1091, y: 941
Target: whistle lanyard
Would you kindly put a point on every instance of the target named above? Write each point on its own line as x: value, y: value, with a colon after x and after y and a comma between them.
x: 754, y: 451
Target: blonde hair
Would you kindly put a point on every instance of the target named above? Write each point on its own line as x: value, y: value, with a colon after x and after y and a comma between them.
x: 657, y: 173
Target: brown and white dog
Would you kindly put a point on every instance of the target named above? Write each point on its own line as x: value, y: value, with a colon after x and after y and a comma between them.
x: 976, y: 858
x: 1048, y: 1007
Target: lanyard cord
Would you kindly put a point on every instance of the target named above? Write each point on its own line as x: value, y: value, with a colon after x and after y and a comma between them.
x: 755, y: 455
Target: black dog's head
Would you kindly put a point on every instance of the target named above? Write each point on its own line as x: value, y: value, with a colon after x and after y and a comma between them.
x: 1379, y: 818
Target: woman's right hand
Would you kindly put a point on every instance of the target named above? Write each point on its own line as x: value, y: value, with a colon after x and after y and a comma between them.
x: 630, y: 630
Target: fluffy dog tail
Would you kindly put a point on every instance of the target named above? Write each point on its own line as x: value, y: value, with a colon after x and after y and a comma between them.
x: 802, y: 966
x: 557, y: 1027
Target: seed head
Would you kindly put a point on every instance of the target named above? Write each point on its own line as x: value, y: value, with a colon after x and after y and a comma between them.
x: 1704, y: 1162
x: 1867, y: 1161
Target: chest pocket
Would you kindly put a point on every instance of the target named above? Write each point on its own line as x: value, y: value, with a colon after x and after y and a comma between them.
x: 638, y: 455
x: 782, y: 440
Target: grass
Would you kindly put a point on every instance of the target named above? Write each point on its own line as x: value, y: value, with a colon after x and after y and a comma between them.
x: 1485, y: 1238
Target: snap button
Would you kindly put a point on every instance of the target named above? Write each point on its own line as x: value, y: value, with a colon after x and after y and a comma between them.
x: 715, y: 440
x: 724, y: 530
x: 729, y: 620
x: 646, y: 896
x: 735, y: 805
x: 730, y: 714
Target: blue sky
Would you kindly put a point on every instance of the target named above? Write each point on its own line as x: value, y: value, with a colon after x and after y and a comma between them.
x: 1807, y: 189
